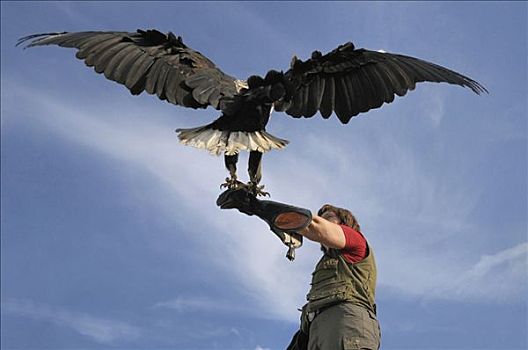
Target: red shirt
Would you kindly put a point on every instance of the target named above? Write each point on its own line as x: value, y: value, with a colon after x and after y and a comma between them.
x: 355, y: 248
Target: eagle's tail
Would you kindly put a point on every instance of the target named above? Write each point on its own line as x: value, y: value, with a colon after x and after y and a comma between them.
x: 229, y: 142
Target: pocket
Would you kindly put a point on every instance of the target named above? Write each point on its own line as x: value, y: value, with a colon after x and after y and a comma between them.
x: 357, y: 343
x: 351, y: 343
x: 326, y: 271
x: 326, y: 294
x: 375, y: 326
x: 305, y: 323
x: 362, y: 332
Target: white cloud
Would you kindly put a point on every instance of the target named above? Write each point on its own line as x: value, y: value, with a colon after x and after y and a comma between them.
x: 433, y: 106
x: 489, y: 262
x: 202, y: 304
x: 502, y: 277
x: 261, y: 348
x: 71, y: 12
x: 101, y: 330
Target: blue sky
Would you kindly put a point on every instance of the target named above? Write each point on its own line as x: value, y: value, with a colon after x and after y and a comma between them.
x: 110, y: 233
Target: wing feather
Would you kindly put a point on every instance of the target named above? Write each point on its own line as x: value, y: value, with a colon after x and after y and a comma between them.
x: 431, y: 73
x: 305, y: 99
x: 328, y: 99
x: 153, y: 77
x: 374, y: 93
x: 351, y: 110
x: 75, y: 40
x: 214, y: 98
x: 396, y: 82
x: 138, y: 72
x: 383, y: 83
x: 89, y: 45
x: 172, y: 84
x: 407, y: 76
x: 359, y: 94
x: 118, y: 62
x: 296, y: 107
x: 100, y: 49
x: 314, y: 96
x: 126, y: 64
x: 358, y: 80
x: 148, y: 61
x: 202, y: 95
x: 367, y: 92
x: 160, y: 86
x: 102, y: 60
x: 343, y: 101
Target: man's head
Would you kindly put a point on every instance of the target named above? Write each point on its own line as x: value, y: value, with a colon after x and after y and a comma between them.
x: 339, y: 216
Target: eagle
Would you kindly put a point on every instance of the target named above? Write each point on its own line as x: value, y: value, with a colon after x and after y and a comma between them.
x: 345, y: 82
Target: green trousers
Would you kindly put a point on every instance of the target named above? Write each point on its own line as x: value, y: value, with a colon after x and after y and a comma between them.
x: 344, y: 326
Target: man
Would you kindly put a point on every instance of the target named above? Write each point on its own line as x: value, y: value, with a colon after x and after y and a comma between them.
x: 341, y: 310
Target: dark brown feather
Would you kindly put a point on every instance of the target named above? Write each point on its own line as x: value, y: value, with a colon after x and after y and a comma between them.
x: 86, y: 47
x: 100, y: 49
x: 405, y: 77
x: 153, y: 76
x: 145, y: 61
x: 393, y: 79
x: 214, y: 99
x: 327, y: 101
x: 363, y: 80
x: 110, y: 71
x: 102, y: 61
x: 304, y: 98
x: 419, y: 73
x: 75, y: 40
x: 162, y: 81
x: 383, y: 83
x: 342, y: 102
x: 127, y: 66
x: 314, y: 97
x: 139, y: 71
x: 295, y: 108
x: 360, y: 98
x: 372, y: 99
x: 172, y: 83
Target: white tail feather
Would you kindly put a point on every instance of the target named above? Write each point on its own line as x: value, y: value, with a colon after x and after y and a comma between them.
x: 229, y: 142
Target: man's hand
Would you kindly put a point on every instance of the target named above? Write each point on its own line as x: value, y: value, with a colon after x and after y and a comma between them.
x: 325, y: 232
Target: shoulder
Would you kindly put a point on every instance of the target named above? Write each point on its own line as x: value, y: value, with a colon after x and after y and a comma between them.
x: 356, y: 247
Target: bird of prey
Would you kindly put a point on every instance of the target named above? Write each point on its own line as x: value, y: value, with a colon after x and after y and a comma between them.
x: 346, y: 81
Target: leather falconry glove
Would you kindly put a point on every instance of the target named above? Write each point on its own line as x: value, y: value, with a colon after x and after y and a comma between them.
x: 284, y: 220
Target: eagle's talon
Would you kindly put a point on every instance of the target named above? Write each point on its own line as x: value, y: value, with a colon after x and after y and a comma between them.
x: 232, y: 183
x: 257, y: 190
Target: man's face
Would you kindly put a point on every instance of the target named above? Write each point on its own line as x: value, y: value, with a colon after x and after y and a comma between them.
x: 331, y: 216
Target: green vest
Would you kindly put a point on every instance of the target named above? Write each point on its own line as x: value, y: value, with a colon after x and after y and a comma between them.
x: 334, y: 281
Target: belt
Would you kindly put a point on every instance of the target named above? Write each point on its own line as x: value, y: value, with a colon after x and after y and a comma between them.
x: 311, y: 315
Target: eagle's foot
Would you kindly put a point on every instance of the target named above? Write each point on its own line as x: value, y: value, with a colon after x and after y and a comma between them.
x: 257, y: 190
x: 232, y: 183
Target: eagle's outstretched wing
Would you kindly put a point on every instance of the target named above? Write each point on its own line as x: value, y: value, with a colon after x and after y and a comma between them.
x: 150, y: 61
x: 350, y: 81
